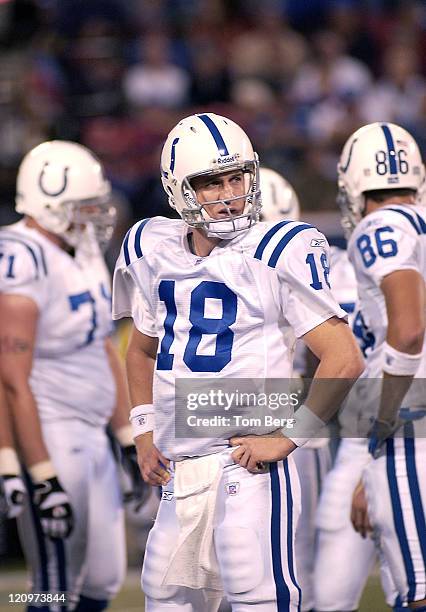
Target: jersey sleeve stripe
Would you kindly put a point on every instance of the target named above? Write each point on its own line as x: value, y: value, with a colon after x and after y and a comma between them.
x: 267, y: 237
x: 29, y: 249
x: 138, y: 248
x: 422, y: 223
x: 284, y: 242
x: 407, y: 215
x: 32, y: 249
x: 126, y: 248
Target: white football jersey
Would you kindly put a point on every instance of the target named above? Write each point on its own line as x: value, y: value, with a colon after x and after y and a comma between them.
x: 234, y: 314
x: 343, y: 279
x: 70, y: 377
x: 389, y: 239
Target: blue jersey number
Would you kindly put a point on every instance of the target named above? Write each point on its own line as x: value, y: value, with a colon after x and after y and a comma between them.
x: 385, y: 247
x: 10, y: 262
x: 366, y: 339
x: 310, y: 260
x: 201, y: 325
x: 78, y: 300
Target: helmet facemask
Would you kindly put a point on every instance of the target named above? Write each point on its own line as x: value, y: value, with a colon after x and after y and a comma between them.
x: 197, y: 214
x: 90, y: 221
x: 351, y: 209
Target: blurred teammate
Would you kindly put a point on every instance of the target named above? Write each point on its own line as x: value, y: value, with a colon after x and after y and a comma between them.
x: 380, y: 176
x: 12, y: 489
x: 279, y: 203
x: 219, y: 294
x: 62, y: 375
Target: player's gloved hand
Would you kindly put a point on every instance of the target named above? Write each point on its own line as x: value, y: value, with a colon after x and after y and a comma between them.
x: 14, y: 495
x: 379, y: 433
x: 139, y: 490
x: 53, y: 508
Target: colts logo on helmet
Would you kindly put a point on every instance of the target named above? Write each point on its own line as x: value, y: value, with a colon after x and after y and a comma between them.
x: 57, y: 192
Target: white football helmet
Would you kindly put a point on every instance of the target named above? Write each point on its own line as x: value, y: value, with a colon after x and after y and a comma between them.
x: 279, y: 200
x: 62, y: 185
x: 376, y: 156
x: 208, y: 144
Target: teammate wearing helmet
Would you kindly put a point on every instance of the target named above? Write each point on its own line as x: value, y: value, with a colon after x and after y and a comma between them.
x: 214, y: 298
x: 313, y: 460
x: 381, y: 178
x: 62, y: 375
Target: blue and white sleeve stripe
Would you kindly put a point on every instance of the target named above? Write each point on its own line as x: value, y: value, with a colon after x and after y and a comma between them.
x: 133, y: 241
x: 276, y: 240
x: 35, y: 251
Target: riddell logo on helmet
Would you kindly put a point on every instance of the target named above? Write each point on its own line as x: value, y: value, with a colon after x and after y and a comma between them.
x: 227, y: 159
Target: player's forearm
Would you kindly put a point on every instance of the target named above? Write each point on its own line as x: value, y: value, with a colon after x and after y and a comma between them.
x: 335, y: 375
x: 120, y: 416
x: 6, y: 435
x: 140, y: 373
x: 26, y: 423
x: 394, y: 388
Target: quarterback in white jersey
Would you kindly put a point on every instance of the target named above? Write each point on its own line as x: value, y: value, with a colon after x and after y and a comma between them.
x: 62, y: 375
x: 220, y: 296
x: 380, y: 176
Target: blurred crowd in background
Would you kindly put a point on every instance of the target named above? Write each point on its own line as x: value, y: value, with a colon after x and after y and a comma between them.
x: 116, y: 75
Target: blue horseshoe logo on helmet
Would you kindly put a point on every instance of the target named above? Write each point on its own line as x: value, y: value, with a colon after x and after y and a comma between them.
x: 53, y: 193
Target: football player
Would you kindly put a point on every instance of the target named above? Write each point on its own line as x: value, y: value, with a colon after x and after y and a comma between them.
x: 381, y: 176
x: 214, y: 298
x: 62, y: 374
x: 313, y: 460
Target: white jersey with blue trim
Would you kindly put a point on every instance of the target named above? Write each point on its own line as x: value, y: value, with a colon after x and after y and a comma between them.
x: 343, y: 279
x: 391, y: 238
x: 70, y: 377
x: 234, y: 314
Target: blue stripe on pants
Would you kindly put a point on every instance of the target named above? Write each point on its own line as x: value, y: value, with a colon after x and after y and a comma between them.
x: 399, y: 519
x: 282, y: 590
x: 290, y: 531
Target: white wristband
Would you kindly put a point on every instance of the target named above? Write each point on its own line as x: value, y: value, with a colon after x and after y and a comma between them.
x: 42, y: 471
x: 306, y: 425
x: 399, y: 364
x: 142, y: 419
x: 9, y: 462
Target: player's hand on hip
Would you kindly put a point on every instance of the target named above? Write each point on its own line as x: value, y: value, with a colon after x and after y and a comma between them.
x: 53, y: 508
x: 14, y: 494
x: 254, y: 451
x: 359, y: 512
x: 152, y: 463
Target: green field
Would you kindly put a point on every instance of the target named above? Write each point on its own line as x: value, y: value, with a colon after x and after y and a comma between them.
x: 130, y: 598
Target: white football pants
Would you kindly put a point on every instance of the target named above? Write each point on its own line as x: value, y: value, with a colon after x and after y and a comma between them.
x: 312, y: 466
x: 92, y: 561
x: 343, y: 559
x: 254, y: 525
x: 396, y: 491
